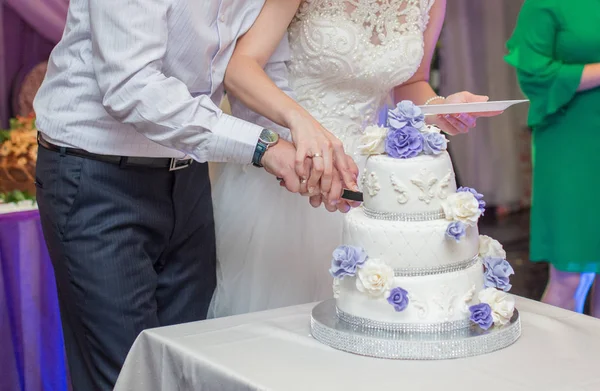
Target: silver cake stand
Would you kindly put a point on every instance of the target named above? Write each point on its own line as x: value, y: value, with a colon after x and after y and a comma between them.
x: 327, y: 328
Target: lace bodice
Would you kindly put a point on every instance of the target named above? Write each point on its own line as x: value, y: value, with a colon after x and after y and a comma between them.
x: 347, y: 55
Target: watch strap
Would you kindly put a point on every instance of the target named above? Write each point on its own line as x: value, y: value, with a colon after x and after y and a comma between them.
x: 259, y: 151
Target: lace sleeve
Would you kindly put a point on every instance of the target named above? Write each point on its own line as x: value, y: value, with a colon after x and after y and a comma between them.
x: 425, y: 9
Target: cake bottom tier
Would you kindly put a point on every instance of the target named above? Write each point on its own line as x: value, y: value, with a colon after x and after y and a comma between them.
x: 432, y: 299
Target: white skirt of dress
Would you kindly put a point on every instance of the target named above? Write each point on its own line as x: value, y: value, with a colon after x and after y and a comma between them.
x: 273, y: 248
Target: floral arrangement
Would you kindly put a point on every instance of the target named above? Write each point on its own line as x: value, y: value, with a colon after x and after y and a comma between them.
x: 404, y: 135
x: 20, y: 139
x: 495, y: 306
x: 463, y: 209
x: 18, y: 156
x: 373, y: 276
x: 16, y: 196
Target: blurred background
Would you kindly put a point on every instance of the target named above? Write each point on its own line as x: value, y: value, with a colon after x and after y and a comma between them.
x: 494, y: 158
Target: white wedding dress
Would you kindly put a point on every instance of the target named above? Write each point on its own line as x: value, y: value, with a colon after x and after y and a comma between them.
x: 273, y: 248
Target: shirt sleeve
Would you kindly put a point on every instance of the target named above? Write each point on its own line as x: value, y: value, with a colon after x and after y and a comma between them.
x: 549, y: 83
x: 277, y: 71
x: 129, y: 42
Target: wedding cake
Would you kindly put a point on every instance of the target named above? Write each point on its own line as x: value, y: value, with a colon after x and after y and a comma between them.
x: 412, y: 265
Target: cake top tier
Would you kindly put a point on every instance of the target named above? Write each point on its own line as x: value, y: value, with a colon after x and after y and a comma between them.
x: 411, y: 187
x: 408, y: 170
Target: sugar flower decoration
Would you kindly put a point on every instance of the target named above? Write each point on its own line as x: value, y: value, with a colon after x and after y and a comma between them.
x: 502, y: 305
x: 497, y: 273
x: 346, y: 260
x: 481, y: 314
x: 489, y: 247
x: 462, y: 206
x: 375, y: 278
x: 398, y: 298
x: 372, y: 141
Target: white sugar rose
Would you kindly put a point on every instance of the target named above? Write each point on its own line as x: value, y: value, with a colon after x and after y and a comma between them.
x: 431, y: 129
x: 462, y: 206
x: 502, y: 305
x: 375, y: 278
x: 336, y: 288
x: 489, y: 247
x: 372, y: 141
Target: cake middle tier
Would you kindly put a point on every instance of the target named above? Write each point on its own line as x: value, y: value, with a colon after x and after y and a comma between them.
x: 419, y: 247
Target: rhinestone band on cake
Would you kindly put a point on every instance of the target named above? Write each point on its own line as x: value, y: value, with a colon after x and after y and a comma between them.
x: 328, y: 329
x: 427, y: 328
x: 411, y: 217
x: 417, y: 271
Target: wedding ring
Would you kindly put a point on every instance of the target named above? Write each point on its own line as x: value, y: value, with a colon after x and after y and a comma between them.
x: 317, y: 155
x: 303, y: 181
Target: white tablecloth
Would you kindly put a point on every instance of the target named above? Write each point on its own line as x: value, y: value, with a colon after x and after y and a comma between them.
x: 558, y: 351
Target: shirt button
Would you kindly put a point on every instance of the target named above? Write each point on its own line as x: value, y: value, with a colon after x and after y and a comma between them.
x: 222, y: 18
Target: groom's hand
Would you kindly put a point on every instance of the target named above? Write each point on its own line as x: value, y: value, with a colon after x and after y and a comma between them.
x: 279, y: 160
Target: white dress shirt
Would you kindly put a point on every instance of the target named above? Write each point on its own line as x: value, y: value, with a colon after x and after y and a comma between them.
x: 144, y: 78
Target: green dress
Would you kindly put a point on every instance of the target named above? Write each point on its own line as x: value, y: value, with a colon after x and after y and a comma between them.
x: 552, y: 42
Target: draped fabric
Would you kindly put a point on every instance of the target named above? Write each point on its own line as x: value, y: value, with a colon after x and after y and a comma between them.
x: 32, y: 357
x: 32, y: 353
x: 29, y: 30
x: 493, y: 158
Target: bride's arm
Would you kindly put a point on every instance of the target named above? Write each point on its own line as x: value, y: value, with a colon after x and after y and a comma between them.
x: 245, y: 79
x: 418, y: 89
x: 277, y: 71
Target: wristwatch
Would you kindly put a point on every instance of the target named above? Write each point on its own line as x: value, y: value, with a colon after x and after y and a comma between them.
x: 266, y: 140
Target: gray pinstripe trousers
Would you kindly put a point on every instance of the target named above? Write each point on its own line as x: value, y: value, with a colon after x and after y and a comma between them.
x: 132, y: 249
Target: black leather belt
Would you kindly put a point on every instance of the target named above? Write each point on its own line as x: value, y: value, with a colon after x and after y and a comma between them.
x: 124, y: 161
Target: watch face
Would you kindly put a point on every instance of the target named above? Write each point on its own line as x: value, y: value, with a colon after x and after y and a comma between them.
x: 268, y: 136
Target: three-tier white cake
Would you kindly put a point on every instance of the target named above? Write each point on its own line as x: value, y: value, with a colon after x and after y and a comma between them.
x: 412, y: 262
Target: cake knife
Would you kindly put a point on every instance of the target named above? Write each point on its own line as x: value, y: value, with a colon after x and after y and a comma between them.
x: 347, y: 194
x: 351, y: 195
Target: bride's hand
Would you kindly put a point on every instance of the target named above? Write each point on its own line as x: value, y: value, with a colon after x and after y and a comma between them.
x: 325, y: 150
x: 454, y: 124
x: 332, y: 201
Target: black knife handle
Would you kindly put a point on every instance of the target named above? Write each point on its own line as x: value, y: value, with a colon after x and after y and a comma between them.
x: 352, y: 195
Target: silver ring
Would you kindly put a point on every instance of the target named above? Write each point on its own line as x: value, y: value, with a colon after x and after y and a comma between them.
x: 303, y: 181
x: 317, y: 155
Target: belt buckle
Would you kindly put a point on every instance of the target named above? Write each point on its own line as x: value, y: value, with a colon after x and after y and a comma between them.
x: 178, y: 164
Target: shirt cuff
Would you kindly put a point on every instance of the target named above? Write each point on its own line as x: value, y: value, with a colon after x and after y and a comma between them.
x: 234, y: 140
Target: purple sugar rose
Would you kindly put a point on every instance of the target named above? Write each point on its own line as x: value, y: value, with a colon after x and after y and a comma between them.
x: 478, y: 197
x: 398, y: 298
x: 406, y: 113
x: 456, y: 230
x: 346, y: 260
x: 404, y: 143
x: 496, y: 274
x: 383, y: 117
x: 481, y: 314
x: 434, y: 143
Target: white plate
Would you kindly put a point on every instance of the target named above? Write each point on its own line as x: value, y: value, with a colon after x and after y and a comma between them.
x: 477, y: 107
